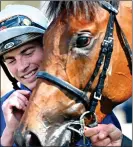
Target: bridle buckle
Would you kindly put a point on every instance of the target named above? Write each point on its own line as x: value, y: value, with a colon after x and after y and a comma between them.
x: 97, y: 97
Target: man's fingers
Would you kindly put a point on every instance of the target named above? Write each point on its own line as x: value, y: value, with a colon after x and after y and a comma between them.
x: 104, y: 135
x: 19, y: 104
x: 110, y: 130
x: 115, y: 134
x: 18, y: 99
x: 94, y: 138
x: 90, y: 131
x: 103, y: 142
x: 23, y: 92
x: 23, y: 98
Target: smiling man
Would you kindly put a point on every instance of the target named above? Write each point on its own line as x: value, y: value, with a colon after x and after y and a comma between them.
x: 21, y: 50
x: 24, y: 62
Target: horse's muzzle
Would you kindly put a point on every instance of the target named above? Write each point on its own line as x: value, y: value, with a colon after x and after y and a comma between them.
x: 27, y: 140
x: 18, y: 138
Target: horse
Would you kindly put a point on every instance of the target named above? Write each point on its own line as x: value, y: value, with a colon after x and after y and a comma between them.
x: 86, y: 71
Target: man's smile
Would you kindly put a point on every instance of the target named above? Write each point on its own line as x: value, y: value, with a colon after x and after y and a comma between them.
x: 30, y: 74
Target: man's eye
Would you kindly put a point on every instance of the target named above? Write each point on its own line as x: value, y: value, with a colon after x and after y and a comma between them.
x: 10, y: 61
x: 28, y: 52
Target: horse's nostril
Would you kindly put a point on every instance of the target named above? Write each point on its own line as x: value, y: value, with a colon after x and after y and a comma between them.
x: 18, y: 138
x: 31, y: 139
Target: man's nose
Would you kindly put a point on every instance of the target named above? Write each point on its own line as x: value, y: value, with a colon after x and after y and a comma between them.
x: 22, y: 65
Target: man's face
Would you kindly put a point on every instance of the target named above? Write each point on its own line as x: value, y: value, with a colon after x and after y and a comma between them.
x: 24, y: 63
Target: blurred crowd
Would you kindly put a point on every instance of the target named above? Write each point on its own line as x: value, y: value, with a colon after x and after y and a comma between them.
x: 126, y: 109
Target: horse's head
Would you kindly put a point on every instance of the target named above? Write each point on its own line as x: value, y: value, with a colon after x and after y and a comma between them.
x: 74, y: 54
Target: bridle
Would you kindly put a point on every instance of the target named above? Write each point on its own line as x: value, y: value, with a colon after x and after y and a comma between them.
x: 104, y: 57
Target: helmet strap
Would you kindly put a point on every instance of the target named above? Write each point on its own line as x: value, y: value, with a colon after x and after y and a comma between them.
x: 12, y: 79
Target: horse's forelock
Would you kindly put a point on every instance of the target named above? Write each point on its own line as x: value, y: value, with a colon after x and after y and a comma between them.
x: 56, y: 7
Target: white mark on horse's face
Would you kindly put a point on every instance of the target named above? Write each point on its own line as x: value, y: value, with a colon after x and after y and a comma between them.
x: 76, y: 52
x: 57, y: 135
x: 77, y: 108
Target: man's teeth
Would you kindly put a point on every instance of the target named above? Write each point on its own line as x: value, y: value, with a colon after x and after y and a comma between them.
x: 29, y: 75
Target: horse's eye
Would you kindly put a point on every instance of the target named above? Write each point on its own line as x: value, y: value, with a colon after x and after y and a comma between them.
x: 82, y: 41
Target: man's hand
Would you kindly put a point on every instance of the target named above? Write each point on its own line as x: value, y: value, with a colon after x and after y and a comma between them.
x: 104, y: 135
x: 17, y: 101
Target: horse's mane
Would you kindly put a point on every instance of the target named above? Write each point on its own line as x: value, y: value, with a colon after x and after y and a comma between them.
x: 56, y: 7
